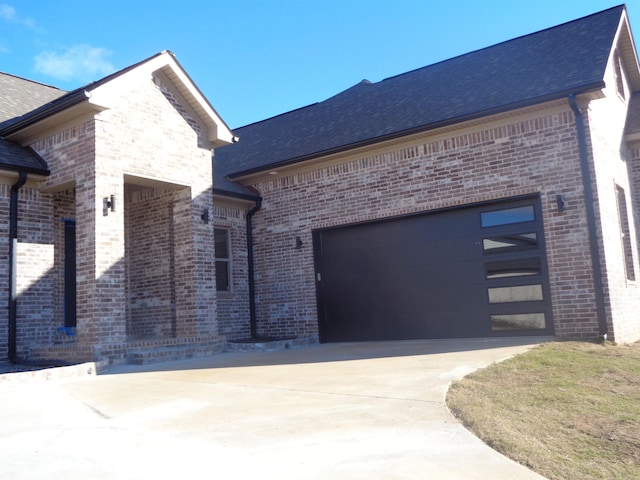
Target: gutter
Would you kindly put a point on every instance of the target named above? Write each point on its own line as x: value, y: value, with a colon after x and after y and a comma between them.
x: 416, y: 130
x: 34, y: 170
x: 250, y: 267
x: 51, y: 108
x: 241, y: 196
x: 591, y: 215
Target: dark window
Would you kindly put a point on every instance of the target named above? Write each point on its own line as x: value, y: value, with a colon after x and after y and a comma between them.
x: 618, y: 74
x: 223, y: 260
x: 625, y: 233
x: 510, y: 243
x: 517, y: 293
x: 518, y: 321
x: 513, y: 268
x: 70, y: 285
x: 507, y: 216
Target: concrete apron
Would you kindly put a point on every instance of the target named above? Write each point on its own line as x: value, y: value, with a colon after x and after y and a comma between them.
x: 336, y: 411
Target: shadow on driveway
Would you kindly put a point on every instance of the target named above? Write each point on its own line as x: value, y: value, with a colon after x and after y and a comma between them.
x: 333, y: 352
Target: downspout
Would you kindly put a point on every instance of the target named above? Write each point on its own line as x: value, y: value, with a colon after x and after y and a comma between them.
x: 13, y: 243
x: 591, y: 215
x: 252, y: 290
x: 13, y: 296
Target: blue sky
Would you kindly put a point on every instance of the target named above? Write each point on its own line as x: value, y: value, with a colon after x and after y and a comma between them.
x: 255, y: 59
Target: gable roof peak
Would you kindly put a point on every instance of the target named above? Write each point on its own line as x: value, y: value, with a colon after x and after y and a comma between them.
x: 621, y: 8
x: 98, y: 95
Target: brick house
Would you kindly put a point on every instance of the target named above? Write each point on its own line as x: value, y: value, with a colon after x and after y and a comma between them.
x: 491, y: 194
x: 107, y: 191
x: 494, y: 193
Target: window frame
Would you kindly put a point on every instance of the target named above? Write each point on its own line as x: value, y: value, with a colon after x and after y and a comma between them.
x: 507, y: 216
x: 227, y: 261
x: 628, y: 260
x: 619, y: 75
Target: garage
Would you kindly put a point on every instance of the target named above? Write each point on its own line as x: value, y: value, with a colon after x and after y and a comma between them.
x: 474, y: 271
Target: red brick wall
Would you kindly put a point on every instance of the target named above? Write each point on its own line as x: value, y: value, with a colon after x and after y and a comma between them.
x: 233, y: 306
x: 70, y: 154
x: 64, y: 208
x: 150, y: 264
x: 35, y: 274
x: 147, y: 133
x: 537, y: 154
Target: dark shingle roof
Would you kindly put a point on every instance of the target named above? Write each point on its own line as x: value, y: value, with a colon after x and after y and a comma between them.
x: 543, y: 66
x: 222, y: 185
x: 19, y: 96
x: 16, y: 158
x: 56, y: 103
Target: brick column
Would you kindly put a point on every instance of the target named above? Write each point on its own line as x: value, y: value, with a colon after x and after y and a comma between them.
x: 110, y: 307
x: 183, y: 264
x: 100, y: 261
x: 85, y: 258
x: 204, y: 264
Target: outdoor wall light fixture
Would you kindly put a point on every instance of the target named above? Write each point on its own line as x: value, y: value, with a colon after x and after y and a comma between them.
x: 298, y: 243
x: 108, y: 203
x: 205, y: 215
x: 560, y: 201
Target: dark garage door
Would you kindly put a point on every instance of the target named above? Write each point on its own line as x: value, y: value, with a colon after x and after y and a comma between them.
x: 469, y: 272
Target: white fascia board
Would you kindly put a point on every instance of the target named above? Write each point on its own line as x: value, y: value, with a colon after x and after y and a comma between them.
x: 217, y: 131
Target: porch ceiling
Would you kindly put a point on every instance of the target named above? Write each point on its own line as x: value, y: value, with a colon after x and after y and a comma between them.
x: 133, y: 181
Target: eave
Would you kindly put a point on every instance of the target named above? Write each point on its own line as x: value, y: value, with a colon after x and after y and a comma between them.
x: 43, y: 120
x: 97, y: 97
x: 234, y: 196
x: 593, y: 91
x: 13, y: 171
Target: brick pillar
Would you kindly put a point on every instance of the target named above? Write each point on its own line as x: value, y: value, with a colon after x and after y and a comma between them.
x: 195, y: 287
x: 204, y: 264
x: 101, y: 309
x: 183, y: 264
x: 110, y: 307
x: 85, y: 259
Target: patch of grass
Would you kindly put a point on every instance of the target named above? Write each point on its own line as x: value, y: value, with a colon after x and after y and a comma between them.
x: 567, y: 410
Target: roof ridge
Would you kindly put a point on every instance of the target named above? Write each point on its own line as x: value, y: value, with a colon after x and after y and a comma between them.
x: 554, y: 27
x: 363, y: 82
x: 437, y: 96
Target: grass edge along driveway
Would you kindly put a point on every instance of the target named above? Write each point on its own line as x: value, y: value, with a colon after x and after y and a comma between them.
x: 566, y: 410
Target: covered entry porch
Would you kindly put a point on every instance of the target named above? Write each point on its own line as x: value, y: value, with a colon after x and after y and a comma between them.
x: 148, y: 288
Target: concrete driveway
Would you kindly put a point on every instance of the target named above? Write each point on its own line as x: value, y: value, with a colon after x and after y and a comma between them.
x: 337, y: 411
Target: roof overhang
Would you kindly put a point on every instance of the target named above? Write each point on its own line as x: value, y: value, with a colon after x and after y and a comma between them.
x: 100, y: 96
x: 165, y: 63
x: 632, y: 138
x: 218, y: 131
x: 10, y: 175
x: 224, y: 196
x: 51, y: 116
x: 274, y: 170
x: 627, y: 51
